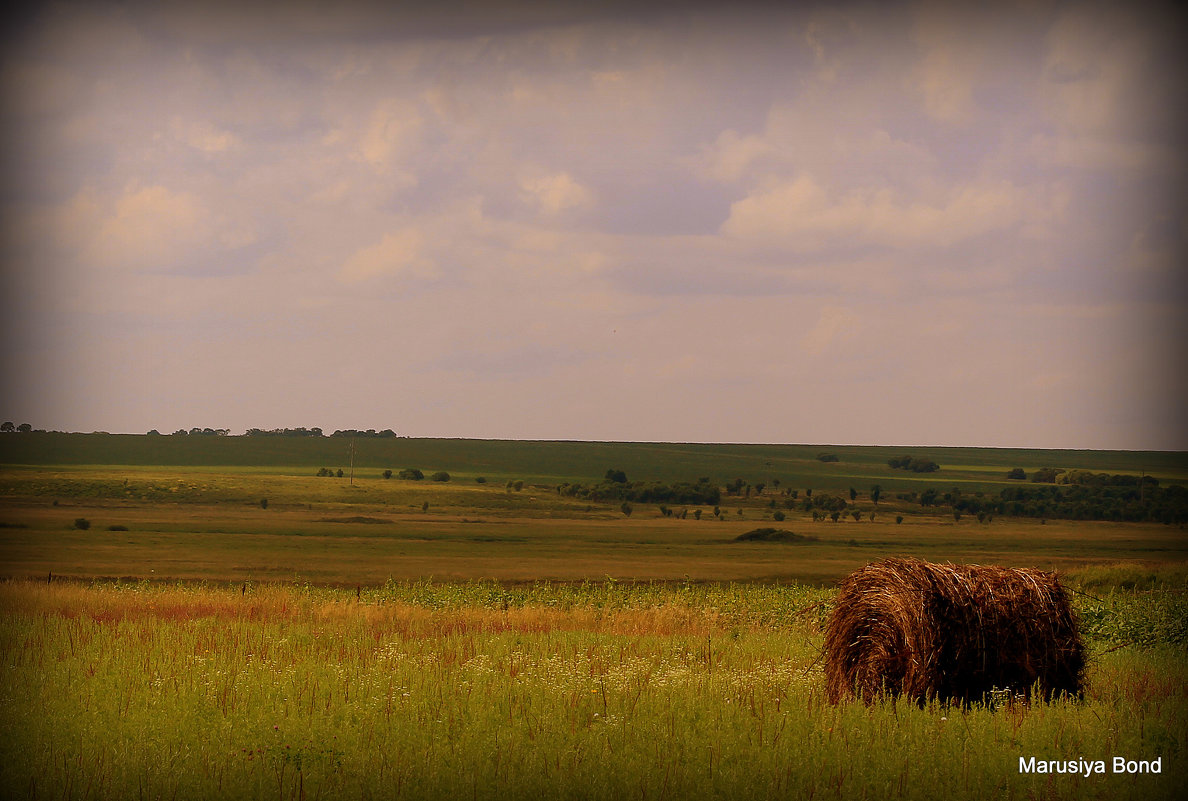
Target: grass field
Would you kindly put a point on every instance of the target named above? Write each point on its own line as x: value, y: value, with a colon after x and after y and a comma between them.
x: 479, y: 690
x: 398, y: 639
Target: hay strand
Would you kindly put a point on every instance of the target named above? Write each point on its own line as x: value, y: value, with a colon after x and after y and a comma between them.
x: 951, y: 632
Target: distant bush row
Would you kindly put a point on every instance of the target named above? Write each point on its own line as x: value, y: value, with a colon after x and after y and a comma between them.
x: 1056, y: 475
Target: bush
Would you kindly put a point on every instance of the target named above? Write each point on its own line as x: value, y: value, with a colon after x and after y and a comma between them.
x: 387, y: 474
x: 81, y: 523
x: 440, y: 475
x: 263, y: 503
x: 117, y: 528
x: 626, y: 509
x: 480, y: 480
x: 410, y: 474
x: 777, y: 516
x: 913, y: 464
x: 1016, y: 474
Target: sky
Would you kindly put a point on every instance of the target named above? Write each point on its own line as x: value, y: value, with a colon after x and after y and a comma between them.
x: 870, y: 223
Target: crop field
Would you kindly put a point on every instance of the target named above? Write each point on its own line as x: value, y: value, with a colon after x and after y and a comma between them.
x: 203, y: 626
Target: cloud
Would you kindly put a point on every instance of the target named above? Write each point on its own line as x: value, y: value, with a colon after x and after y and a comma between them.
x: 835, y: 326
x: 154, y: 228
x: 400, y: 253
x: 390, y: 138
x: 553, y: 194
x: 202, y: 135
x: 802, y: 216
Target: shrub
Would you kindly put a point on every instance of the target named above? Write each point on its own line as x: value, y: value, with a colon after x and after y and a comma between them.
x: 410, y: 474
x: 81, y: 523
x: 263, y: 503
x: 1016, y: 474
x: 626, y: 509
x: 480, y: 480
x: 440, y: 475
x: 778, y: 516
x: 387, y: 474
x: 117, y: 528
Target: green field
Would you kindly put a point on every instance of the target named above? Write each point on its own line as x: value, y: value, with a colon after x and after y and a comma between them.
x: 383, y: 638
x: 188, y: 518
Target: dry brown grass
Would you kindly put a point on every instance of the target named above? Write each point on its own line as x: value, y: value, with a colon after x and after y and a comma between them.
x: 279, y: 603
x: 951, y: 632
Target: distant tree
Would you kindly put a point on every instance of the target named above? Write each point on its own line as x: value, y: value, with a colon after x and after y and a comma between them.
x: 872, y: 517
x: 759, y: 488
x: 1046, y: 475
x: 153, y: 433
x: 626, y: 509
x: 480, y: 480
x: 835, y: 516
x: 263, y: 503
x: 956, y: 515
x: 696, y: 514
x: 339, y: 473
x: 181, y: 432
x: 717, y: 511
x: 410, y: 474
x: 387, y: 474
x: 856, y: 515
x: 440, y: 475
x: 778, y: 516
x: 616, y: 476
x: 808, y: 493
x: 1017, y: 474
x: 81, y: 523
x: 876, y: 492
x: 7, y: 427
x: 24, y: 428
x: 425, y: 506
x: 775, y: 482
x: 898, y: 519
x: 518, y: 485
x: 853, y: 493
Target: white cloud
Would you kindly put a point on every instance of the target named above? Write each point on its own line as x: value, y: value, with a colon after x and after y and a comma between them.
x: 390, y: 138
x: 151, y: 228
x: 802, y: 216
x: 202, y: 135
x: 835, y: 326
x: 398, y: 253
x: 555, y: 193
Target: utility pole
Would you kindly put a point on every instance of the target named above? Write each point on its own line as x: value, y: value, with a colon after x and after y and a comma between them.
x: 352, y: 451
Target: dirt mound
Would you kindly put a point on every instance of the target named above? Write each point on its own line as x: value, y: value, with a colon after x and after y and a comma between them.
x: 773, y: 535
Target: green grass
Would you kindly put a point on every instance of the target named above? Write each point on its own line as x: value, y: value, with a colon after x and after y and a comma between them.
x: 554, y: 462
x: 481, y: 690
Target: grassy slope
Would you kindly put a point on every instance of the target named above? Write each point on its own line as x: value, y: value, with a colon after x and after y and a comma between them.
x: 795, y: 465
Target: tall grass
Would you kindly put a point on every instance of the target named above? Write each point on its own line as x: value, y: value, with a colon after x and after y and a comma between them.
x: 478, y: 690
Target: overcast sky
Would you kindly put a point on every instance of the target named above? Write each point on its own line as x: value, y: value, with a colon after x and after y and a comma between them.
x: 853, y: 223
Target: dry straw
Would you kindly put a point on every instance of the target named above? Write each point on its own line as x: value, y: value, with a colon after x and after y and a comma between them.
x: 951, y: 632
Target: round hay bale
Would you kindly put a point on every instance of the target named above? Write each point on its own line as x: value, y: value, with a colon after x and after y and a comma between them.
x: 950, y: 632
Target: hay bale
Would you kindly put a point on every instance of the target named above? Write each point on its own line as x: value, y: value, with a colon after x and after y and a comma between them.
x: 950, y: 632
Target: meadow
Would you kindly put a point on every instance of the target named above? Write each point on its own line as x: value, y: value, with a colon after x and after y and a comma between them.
x: 595, y: 690
x: 222, y: 629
